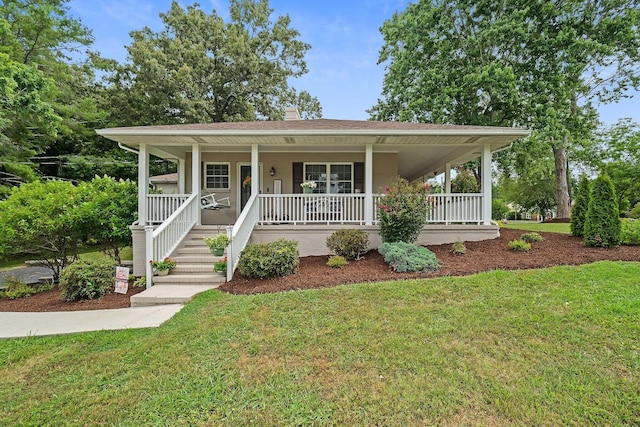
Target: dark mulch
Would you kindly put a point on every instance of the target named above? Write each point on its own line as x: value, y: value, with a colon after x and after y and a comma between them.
x: 557, y: 249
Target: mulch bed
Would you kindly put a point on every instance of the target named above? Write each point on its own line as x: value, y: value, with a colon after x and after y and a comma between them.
x: 557, y: 249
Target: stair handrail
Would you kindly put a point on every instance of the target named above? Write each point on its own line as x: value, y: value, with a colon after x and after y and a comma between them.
x: 162, y: 241
x: 240, y: 233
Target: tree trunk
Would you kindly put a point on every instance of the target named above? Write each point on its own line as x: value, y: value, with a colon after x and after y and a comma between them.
x: 563, y: 207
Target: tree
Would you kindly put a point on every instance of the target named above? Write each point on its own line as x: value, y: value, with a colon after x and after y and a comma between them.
x: 542, y: 65
x: 200, y: 69
x: 464, y: 182
x: 45, y: 217
x: 602, y: 221
x: 111, y: 207
x: 532, y: 191
x: 45, y: 101
x: 579, y: 210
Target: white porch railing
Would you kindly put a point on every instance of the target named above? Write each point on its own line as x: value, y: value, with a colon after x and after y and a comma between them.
x: 311, y: 208
x: 447, y: 208
x: 455, y: 208
x: 161, y: 206
x: 161, y: 242
x: 240, y: 234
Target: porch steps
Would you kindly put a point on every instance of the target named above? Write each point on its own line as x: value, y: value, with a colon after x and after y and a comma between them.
x: 193, y: 273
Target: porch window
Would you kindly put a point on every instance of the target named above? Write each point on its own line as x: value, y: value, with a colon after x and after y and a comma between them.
x: 216, y: 176
x: 330, y: 177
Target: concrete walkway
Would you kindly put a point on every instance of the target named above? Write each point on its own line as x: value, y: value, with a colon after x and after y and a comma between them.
x: 16, y: 325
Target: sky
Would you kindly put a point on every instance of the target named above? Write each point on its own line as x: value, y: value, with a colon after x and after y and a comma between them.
x: 344, y: 37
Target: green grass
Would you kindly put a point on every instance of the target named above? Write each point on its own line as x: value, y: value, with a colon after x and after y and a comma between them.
x: 541, y: 347
x: 552, y: 227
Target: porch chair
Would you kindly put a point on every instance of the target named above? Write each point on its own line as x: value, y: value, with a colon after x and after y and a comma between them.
x: 209, y: 201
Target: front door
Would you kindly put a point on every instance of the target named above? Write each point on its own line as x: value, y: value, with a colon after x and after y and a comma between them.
x: 244, y: 184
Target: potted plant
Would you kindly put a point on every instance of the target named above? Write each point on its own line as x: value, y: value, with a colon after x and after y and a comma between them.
x: 308, y: 186
x: 220, y: 266
x: 217, y: 244
x: 163, y: 267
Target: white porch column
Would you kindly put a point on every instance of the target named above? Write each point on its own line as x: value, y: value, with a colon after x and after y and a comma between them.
x: 447, y: 178
x: 196, y: 176
x: 143, y: 183
x: 255, y: 170
x: 368, y: 185
x: 182, y: 175
x: 486, y: 184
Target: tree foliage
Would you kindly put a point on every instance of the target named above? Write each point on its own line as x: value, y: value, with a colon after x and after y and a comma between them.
x: 541, y: 64
x: 602, y: 221
x: 201, y: 69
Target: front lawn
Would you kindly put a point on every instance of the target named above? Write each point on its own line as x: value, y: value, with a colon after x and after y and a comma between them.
x: 552, y: 227
x: 556, y: 346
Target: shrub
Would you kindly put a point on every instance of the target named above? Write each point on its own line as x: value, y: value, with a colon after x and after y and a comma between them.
x: 458, y: 248
x: 634, y: 212
x: 16, y: 288
x: 404, y: 257
x: 402, y: 211
x: 140, y: 282
x: 348, y: 243
x: 602, y: 222
x: 531, y: 237
x: 580, y: 206
x: 263, y: 260
x: 87, y: 279
x: 630, y: 232
x: 520, y: 245
x: 499, y: 209
x: 337, y: 261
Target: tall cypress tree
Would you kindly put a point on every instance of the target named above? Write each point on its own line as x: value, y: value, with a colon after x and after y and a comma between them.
x: 579, y: 210
x: 602, y: 222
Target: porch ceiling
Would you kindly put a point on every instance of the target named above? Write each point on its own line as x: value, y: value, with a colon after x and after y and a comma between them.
x: 422, y: 149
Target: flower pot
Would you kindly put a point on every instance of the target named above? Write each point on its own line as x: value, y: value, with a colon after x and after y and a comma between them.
x: 218, y: 252
x: 308, y: 190
x: 163, y: 272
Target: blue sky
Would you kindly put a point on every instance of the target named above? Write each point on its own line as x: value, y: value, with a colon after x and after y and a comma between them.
x: 344, y: 38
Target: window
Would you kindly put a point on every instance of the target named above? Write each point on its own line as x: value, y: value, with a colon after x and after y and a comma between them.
x: 330, y: 177
x: 216, y: 176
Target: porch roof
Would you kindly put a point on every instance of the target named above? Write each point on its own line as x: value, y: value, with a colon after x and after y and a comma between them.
x: 453, y: 144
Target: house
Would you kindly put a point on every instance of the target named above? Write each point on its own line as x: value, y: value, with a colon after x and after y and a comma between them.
x: 165, y: 184
x: 348, y: 160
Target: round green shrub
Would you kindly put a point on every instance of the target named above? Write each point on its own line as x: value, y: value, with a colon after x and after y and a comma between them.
x: 458, y: 248
x: 520, y: 245
x: 337, y: 261
x: 531, y: 237
x: 602, y: 221
x: 87, y: 279
x: 499, y: 209
x: 402, y: 211
x: 404, y: 257
x: 580, y: 206
x: 348, y: 243
x: 264, y: 260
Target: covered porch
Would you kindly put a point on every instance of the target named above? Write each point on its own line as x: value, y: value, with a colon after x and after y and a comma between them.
x: 259, y: 166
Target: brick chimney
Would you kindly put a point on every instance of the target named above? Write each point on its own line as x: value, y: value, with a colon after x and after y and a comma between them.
x: 291, y: 113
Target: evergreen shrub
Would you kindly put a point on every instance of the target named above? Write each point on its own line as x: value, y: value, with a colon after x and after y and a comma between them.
x: 580, y: 206
x: 520, y: 245
x: 264, y: 260
x: 337, y: 261
x: 348, y: 243
x: 602, y: 221
x: 531, y: 237
x: 404, y: 257
x: 87, y: 279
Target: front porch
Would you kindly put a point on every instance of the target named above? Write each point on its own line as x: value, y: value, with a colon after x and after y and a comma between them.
x: 258, y: 167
